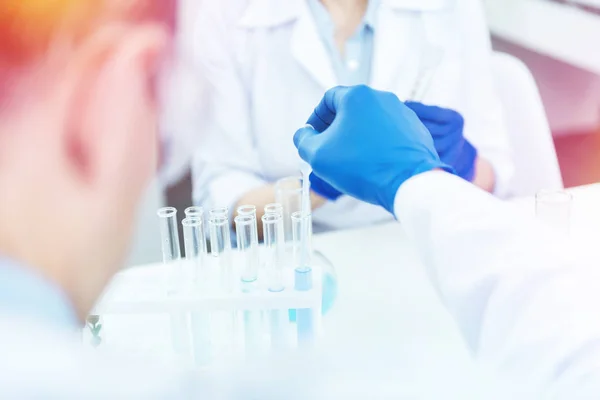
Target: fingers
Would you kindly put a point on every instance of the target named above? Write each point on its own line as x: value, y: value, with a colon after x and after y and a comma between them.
x: 322, y: 188
x: 306, y: 140
x: 433, y: 113
x: 325, y: 112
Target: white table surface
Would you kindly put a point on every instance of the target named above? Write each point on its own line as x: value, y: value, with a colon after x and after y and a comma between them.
x: 386, y: 300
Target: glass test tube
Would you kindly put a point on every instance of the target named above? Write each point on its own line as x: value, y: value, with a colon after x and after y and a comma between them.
x: 275, y: 258
x: 225, y: 323
x: 169, y: 234
x: 195, y: 253
x: 194, y: 240
x: 274, y: 250
x: 171, y: 254
x: 247, y: 241
x: 288, y: 193
x: 220, y: 244
x: 553, y: 209
x: 170, y: 244
x: 302, y: 243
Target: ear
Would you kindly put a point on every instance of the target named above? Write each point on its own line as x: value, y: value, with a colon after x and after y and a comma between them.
x: 109, y: 81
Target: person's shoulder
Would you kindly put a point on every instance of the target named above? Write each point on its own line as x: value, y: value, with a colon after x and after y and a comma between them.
x: 40, y: 360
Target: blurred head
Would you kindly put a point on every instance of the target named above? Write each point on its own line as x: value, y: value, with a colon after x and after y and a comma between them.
x: 78, y: 133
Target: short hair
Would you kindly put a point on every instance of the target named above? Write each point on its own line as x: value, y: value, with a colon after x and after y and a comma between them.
x: 27, y: 27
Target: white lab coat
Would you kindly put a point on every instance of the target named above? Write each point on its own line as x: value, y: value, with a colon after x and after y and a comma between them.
x: 525, y: 300
x: 267, y: 68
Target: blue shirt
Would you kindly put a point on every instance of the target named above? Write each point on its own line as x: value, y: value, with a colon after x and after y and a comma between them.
x: 354, y: 67
x: 24, y: 293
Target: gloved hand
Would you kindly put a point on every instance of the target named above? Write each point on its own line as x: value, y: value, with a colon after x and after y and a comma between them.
x: 365, y: 143
x: 322, y: 188
x: 446, y: 127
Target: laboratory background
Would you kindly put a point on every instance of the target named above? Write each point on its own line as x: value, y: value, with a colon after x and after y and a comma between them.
x: 552, y: 40
x: 540, y: 133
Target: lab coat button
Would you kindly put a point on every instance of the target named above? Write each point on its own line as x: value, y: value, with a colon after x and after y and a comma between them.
x: 353, y: 65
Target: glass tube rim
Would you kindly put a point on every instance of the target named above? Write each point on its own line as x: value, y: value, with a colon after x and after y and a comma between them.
x: 246, y: 209
x: 192, y: 221
x: 553, y: 196
x: 299, y: 216
x: 244, y: 219
x: 217, y: 211
x: 218, y: 220
x: 166, y: 212
x: 272, y: 218
x: 194, y: 211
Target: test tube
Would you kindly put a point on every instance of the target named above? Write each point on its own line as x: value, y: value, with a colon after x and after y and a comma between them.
x: 171, y: 254
x: 195, y: 253
x: 553, y: 209
x: 288, y: 193
x: 194, y: 240
x: 275, y: 258
x: 247, y: 242
x: 273, y: 238
x: 220, y: 244
x: 169, y: 234
x: 302, y: 237
x: 170, y: 243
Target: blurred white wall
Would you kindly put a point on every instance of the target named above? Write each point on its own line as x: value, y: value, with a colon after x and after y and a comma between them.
x: 185, y: 101
x: 571, y: 95
x: 182, y: 122
x: 559, y: 43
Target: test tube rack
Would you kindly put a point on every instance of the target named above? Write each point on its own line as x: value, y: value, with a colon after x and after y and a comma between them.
x: 147, y: 290
x: 210, y: 322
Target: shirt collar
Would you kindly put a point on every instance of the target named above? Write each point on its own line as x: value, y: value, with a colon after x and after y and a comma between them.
x: 323, y: 18
x: 26, y: 294
x: 370, y: 18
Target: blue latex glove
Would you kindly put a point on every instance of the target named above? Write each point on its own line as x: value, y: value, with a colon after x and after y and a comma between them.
x: 365, y: 143
x: 322, y: 188
x: 446, y: 127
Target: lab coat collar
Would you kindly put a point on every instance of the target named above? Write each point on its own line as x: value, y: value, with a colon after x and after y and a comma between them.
x: 393, y: 49
x: 271, y: 13
x: 309, y: 50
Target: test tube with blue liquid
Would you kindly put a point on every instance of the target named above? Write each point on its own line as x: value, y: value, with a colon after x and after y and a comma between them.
x: 303, y: 275
x: 247, y: 244
x: 247, y: 241
x: 274, y: 243
x: 302, y: 248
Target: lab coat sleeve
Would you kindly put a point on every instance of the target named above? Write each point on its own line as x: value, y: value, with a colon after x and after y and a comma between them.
x: 524, y: 308
x: 480, y: 105
x: 226, y: 164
